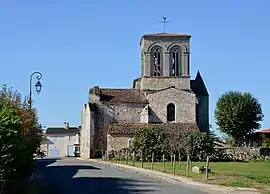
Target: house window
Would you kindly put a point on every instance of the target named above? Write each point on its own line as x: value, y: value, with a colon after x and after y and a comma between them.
x: 130, y: 143
x: 77, y: 148
x: 156, y: 62
x: 175, y: 57
x: 170, y: 112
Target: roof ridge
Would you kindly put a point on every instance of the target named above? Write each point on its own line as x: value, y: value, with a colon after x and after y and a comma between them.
x: 167, y: 34
x: 163, y: 89
x: 118, y: 89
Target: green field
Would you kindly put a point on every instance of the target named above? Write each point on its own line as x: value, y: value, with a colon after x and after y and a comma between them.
x: 236, y: 174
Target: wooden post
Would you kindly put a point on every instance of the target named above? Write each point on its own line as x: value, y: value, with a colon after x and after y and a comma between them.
x: 163, y: 160
x: 133, y: 159
x: 142, y: 160
x: 172, y: 159
x: 152, y: 164
x: 179, y: 158
x: 206, y: 168
x: 174, y: 164
x: 187, y: 170
x: 126, y: 162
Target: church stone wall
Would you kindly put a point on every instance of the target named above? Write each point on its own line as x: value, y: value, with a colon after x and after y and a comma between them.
x: 84, y: 147
x: 165, y: 43
x: 87, y: 133
x: 107, y: 113
x: 126, y: 112
x: 117, y: 142
x: 159, y: 83
x: 184, y: 105
x: 203, y: 113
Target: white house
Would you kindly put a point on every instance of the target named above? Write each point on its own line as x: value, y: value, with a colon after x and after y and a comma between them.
x: 61, y: 141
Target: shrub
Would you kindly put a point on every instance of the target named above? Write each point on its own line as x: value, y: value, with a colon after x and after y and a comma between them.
x: 154, y: 140
x: 150, y: 140
x: 198, y: 145
x: 20, y: 136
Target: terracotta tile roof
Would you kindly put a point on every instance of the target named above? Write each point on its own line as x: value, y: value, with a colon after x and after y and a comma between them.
x: 265, y: 131
x: 166, y: 34
x: 119, y: 95
x: 131, y: 128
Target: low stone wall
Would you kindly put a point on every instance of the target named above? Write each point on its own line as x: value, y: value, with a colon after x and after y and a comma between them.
x: 241, y: 153
x: 118, y: 142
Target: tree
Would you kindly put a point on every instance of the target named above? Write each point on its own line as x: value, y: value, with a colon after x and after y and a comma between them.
x: 20, y: 137
x: 150, y: 140
x: 198, y: 145
x: 238, y: 114
x: 10, y: 143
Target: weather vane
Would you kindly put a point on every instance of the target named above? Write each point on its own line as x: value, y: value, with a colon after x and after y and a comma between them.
x: 164, y: 23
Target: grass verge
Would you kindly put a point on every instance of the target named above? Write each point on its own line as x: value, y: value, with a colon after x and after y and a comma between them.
x: 234, y: 174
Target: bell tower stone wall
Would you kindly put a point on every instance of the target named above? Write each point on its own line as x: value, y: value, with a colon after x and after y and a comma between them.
x: 164, y: 61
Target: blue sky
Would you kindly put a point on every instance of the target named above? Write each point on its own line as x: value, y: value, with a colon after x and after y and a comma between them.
x: 79, y: 45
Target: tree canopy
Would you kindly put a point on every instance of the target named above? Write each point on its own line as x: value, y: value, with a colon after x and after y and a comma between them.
x: 20, y: 137
x: 238, y: 114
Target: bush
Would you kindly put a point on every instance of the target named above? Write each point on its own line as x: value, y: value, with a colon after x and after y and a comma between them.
x: 198, y: 145
x: 182, y: 143
x: 20, y: 137
x: 150, y: 140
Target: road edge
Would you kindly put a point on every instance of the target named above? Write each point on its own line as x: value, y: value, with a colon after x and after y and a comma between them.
x: 175, y: 179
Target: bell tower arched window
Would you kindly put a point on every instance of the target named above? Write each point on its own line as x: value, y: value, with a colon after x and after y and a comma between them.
x: 175, y: 60
x: 156, y: 62
x: 170, y: 112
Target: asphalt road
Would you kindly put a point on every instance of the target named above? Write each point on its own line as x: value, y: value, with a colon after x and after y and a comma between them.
x: 72, y: 176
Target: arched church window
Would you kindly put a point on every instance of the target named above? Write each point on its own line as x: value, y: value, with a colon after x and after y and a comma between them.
x: 156, y: 62
x: 175, y: 57
x: 170, y: 112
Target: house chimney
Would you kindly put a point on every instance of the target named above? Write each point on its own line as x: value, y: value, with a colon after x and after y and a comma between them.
x: 66, y: 125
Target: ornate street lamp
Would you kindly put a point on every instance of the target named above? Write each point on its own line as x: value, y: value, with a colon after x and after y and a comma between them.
x: 38, y: 85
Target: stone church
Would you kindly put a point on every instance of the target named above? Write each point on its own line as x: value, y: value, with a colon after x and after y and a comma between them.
x: 164, y: 94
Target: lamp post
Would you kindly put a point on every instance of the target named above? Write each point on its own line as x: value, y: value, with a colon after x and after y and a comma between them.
x: 38, y: 85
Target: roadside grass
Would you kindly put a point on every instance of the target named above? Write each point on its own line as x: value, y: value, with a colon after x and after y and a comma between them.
x: 234, y: 174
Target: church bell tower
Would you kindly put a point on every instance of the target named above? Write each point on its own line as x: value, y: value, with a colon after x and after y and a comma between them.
x: 164, y: 61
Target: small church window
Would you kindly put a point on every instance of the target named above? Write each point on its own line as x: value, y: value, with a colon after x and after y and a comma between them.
x: 156, y: 62
x: 170, y: 112
x: 175, y: 62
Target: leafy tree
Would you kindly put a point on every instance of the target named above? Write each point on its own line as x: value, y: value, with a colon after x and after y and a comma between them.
x: 150, y: 140
x: 10, y: 141
x: 198, y: 145
x: 238, y: 114
x: 20, y: 136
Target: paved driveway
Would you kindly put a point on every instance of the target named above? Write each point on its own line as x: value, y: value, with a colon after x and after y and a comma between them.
x: 72, y: 176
